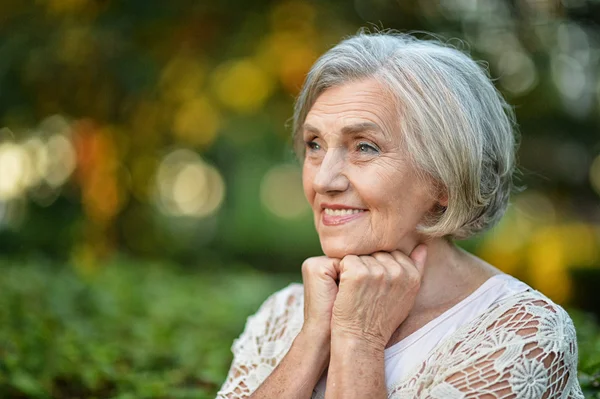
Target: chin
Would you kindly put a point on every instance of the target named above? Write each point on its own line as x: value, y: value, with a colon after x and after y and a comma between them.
x: 340, y: 248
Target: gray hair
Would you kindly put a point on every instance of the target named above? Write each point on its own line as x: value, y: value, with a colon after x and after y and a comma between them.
x: 456, y: 126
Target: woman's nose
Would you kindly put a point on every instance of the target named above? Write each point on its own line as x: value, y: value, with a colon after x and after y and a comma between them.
x: 331, y: 174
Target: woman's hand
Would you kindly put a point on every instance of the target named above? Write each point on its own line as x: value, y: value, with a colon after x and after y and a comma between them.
x: 376, y: 293
x: 319, y: 275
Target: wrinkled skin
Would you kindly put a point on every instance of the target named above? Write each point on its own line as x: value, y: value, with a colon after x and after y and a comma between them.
x: 355, y: 158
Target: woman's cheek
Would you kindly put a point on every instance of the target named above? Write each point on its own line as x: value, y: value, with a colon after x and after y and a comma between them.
x: 307, y: 179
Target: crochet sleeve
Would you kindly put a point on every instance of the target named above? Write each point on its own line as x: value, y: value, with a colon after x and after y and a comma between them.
x: 525, y: 351
x: 267, y: 337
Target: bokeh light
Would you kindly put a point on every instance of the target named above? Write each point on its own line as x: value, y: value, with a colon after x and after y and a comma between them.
x: 115, y: 126
x: 518, y: 73
x: 37, y: 166
x: 38, y: 153
x: 537, y: 206
x: 196, y: 122
x: 15, y: 169
x: 61, y: 160
x: 281, y: 192
x: 158, y: 133
x: 242, y: 85
x: 187, y: 186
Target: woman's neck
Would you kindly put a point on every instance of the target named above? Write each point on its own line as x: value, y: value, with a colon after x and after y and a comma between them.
x: 451, y: 274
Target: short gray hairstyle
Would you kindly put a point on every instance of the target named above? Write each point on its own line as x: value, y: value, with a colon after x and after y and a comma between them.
x: 456, y: 126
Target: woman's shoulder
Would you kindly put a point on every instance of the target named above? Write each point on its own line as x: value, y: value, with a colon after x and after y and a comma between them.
x: 271, y: 330
x: 524, y: 318
x: 523, y: 339
x: 284, y: 309
x: 526, y: 307
x: 285, y: 300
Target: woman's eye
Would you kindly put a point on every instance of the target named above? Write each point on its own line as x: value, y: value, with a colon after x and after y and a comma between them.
x: 312, y: 145
x: 364, y: 147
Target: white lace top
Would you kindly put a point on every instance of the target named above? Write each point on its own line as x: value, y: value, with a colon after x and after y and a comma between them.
x: 504, y: 340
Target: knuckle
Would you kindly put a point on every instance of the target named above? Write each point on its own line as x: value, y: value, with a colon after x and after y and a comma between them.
x: 396, y: 273
x: 400, y: 271
x: 306, y: 264
x: 359, y: 273
x: 382, y: 256
x: 378, y: 273
x: 310, y: 264
x: 349, y: 261
x: 399, y: 256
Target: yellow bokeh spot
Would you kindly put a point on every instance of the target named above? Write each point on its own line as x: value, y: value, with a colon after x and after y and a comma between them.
x: 547, y: 256
x: 197, y: 122
x: 504, y: 246
x: 142, y: 172
x: 281, y: 192
x: 295, y: 66
x: 187, y: 186
x: 289, y: 56
x: 242, y: 85
x: 182, y: 79
x: 294, y: 15
x: 582, y: 244
x: 15, y: 169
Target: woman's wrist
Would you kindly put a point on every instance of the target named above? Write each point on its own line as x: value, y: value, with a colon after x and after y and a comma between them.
x: 317, y: 332
x: 316, y: 345
x: 353, y: 355
x: 363, y: 342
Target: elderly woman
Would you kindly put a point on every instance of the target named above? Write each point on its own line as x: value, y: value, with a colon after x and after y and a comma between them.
x: 406, y: 145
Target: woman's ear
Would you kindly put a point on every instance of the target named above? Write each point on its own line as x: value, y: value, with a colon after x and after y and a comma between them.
x: 442, y: 195
x: 443, y: 200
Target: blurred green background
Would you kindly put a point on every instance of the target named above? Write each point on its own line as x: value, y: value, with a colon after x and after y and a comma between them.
x: 150, y: 199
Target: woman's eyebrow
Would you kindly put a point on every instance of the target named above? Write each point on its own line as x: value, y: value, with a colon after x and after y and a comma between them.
x: 349, y: 129
x: 361, y: 127
x: 307, y: 127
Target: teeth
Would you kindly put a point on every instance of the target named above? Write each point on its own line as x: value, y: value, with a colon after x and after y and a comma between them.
x: 342, y: 212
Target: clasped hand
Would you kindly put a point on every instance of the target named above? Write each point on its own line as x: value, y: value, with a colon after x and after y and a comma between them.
x: 374, y: 296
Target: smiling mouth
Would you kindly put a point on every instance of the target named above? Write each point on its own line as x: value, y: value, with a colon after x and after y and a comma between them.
x: 341, y: 212
x: 334, y: 217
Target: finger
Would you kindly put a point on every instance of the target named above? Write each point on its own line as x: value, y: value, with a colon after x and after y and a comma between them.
x: 386, y: 259
x: 349, y: 261
x: 352, y: 267
x: 401, y: 258
x: 419, y: 256
x: 376, y: 269
x: 373, y: 265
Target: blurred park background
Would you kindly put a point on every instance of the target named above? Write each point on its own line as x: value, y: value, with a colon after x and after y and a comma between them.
x: 150, y: 199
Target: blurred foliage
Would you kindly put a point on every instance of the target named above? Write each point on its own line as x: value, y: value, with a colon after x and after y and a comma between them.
x: 130, y: 331
x: 588, y: 339
x: 158, y: 128
x: 145, y: 330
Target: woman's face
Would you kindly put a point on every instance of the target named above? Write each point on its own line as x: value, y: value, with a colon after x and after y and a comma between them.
x: 365, y: 194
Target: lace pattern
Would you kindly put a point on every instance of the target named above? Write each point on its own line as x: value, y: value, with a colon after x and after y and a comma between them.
x: 524, y: 347
x: 266, y: 339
